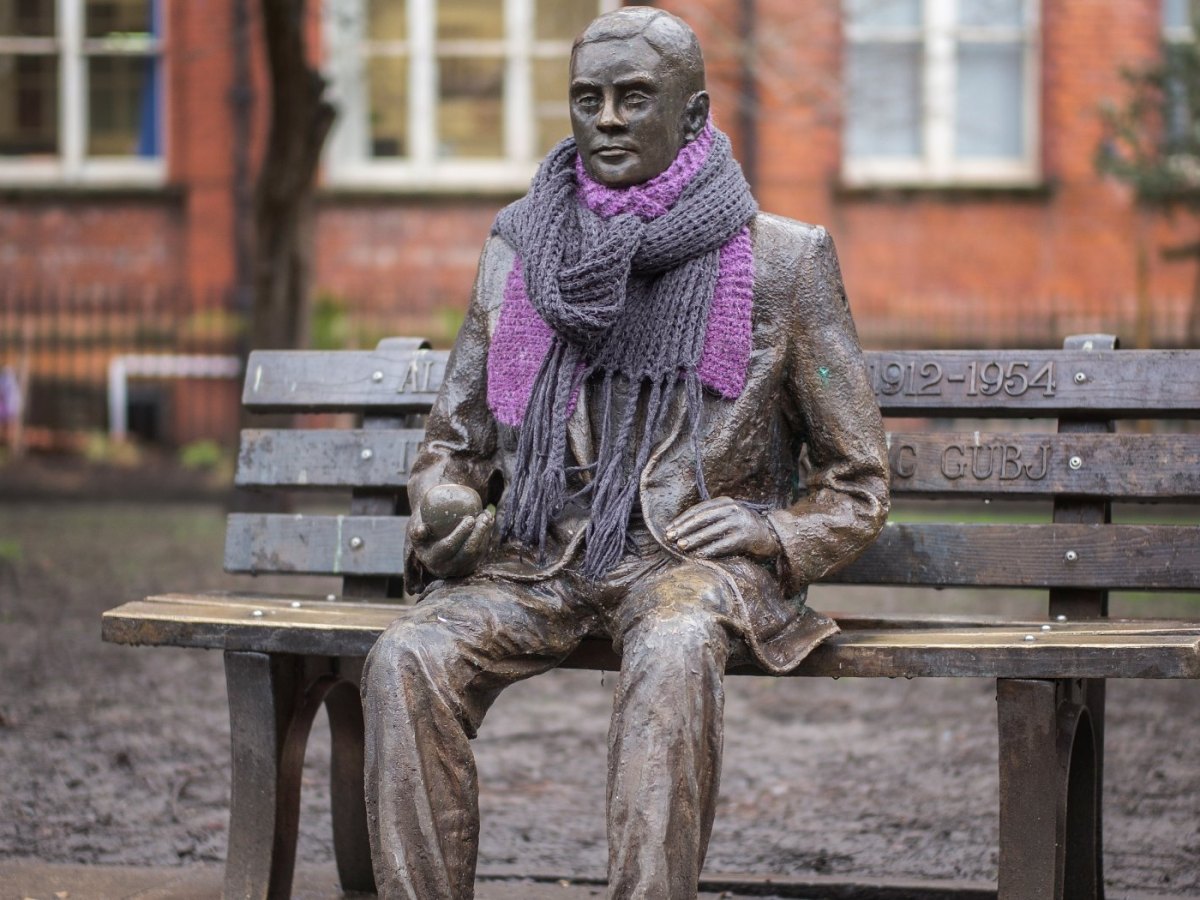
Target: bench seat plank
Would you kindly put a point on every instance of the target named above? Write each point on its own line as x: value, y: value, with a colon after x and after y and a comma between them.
x: 1144, y: 557
x: 1087, y: 649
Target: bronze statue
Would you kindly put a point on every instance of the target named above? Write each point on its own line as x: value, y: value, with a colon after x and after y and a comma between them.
x: 644, y: 361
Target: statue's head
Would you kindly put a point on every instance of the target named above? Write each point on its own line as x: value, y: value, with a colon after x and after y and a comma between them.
x: 636, y: 94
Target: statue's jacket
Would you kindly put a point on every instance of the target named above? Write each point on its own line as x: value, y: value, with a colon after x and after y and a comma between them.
x: 804, y: 438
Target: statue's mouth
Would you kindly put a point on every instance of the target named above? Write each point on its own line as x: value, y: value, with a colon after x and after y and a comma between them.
x: 613, y: 153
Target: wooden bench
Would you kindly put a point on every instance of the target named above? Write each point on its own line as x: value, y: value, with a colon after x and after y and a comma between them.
x: 286, y: 656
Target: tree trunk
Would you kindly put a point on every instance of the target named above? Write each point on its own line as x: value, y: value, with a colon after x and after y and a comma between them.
x: 283, y: 202
x: 283, y: 206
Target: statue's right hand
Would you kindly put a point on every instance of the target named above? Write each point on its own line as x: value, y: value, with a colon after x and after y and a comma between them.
x: 457, y: 554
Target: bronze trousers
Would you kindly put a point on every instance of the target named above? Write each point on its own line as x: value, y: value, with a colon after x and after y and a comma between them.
x: 433, y: 674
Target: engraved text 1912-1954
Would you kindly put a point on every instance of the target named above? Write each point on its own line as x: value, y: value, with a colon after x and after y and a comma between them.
x: 978, y: 377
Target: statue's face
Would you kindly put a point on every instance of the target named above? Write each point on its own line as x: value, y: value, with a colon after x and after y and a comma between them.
x: 628, y: 111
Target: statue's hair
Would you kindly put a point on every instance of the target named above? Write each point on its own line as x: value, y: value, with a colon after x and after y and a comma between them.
x: 670, y: 36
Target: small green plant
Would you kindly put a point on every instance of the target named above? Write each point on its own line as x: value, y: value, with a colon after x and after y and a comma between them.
x: 98, y: 447
x: 10, y: 550
x: 329, y: 325
x: 450, y: 320
x: 202, y: 455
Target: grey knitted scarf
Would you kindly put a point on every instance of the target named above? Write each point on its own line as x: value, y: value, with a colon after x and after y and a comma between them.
x: 627, y: 298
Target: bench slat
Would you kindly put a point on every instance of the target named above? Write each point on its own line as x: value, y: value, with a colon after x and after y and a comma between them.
x: 306, y: 607
x: 315, y: 545
x: 1116, y: 557
x: 1001, y: 383
x: 968, y: 464
x: 327, y: 458
x: 337, y: 380
x: 1143, y: 557
x: 1014, y: 383
x: 974, y: 464
x: 1095, y: 649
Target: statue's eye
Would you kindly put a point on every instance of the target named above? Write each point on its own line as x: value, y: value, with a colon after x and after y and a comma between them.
x: 636, y: 98
x: 587, y: 102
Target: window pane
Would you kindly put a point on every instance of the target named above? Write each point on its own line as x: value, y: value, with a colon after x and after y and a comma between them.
x: 470, y: 107
x: 1175, y: 14
x: 386, y: 20
x: 28, y: 105
x: 885, y: 13
x: 991, y: 12
x: 109, y: 17
x: 122, y: 106
x: 470, y: 20
x: 387, y: 77
x: 990, y: 90
x: 1180, y: 72
x: 562, y: 20
x: 884, y: 110
x: 27, y: 18
x: 550, y: 102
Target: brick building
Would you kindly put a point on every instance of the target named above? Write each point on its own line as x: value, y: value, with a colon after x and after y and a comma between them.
x: 947, y: 144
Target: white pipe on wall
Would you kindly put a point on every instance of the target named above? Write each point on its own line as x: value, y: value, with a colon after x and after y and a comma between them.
x: 143, y: 365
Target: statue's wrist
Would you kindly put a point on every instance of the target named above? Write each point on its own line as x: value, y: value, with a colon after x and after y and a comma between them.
x: 773, y: 536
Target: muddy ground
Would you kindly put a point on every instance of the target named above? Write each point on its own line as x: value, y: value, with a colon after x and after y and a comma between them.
x: 120, y: 755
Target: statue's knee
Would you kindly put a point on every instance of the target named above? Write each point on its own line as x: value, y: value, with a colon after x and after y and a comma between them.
x: 672, y: 640
x: 409, y: 649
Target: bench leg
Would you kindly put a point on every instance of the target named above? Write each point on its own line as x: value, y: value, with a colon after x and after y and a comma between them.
x: 272, y: 700
x: 351, y: 841
x: 1050, y: 781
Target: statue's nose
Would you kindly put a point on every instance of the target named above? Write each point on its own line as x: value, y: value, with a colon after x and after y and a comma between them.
x: 610, y: 115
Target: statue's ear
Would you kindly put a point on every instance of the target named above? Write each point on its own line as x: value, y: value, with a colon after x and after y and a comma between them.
x: 695, y: 116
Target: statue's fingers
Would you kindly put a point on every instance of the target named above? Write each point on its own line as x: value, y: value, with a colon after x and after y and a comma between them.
x: 477, y: 541
x: 698, y: 516
x: 728, y: 545
x: 705, y: 535
x: 449, y: 546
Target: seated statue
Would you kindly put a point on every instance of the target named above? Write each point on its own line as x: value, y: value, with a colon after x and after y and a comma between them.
x: 645, y: 363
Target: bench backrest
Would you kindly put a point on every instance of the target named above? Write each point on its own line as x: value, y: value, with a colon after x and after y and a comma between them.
x: 1075, y: 456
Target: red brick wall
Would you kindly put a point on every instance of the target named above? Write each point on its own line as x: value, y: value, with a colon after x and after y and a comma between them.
x: 410, y: 263
x: 947, y: 266
x: 1004, y: 268
x: 50, y: 242
x: 958, y: 266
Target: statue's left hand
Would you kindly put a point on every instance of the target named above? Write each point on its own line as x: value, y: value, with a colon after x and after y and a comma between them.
x: 723, y: 527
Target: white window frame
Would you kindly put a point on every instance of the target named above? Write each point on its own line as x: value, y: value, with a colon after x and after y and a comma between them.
x: 937, y: 166
x: 347, y: 163
x: 1175, y: 34
x: 72, y: 165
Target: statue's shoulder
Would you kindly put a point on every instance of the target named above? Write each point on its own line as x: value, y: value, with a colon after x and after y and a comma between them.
x: 497, y: 256
x: 788, y: 239
x: 495, y: 262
